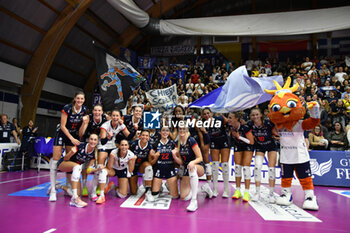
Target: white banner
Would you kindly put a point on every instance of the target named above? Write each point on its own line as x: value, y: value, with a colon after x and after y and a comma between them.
x: 274, y: 212
x: 163, y: 99
x: 139, y: 202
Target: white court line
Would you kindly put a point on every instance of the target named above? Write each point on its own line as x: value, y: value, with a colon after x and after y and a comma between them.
x: 9, y: 181
x: 51, y: 230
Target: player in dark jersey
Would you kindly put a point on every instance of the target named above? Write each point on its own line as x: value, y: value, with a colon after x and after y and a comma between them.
x: 73, y: 161
x: 67, y: 135
x: 178, y: 115
x: 133, y: 123
x: 142, y: 149
x: 194, y: 167
x: 91, y: 124
x: 164, y: 160
x: 263, y: 132
x: 219, y: 145
x: 243, y: 140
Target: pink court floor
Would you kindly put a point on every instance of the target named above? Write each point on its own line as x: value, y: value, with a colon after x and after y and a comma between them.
x: 29, y: 212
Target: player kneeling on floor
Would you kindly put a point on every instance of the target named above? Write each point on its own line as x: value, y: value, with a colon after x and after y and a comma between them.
x: 194, y: 167
x: 142, y: 149
x: 121, y: 164
x: 72, y: 162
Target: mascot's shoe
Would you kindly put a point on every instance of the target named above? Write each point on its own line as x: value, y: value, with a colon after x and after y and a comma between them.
x: 237, y: 194
x: 285, y: 198
x: 256, y: 197
x: 272, y: 199
x: 310, y: 203
x: 85, y: 192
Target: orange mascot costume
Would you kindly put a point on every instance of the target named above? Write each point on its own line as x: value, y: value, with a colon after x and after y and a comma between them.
x: 287, y: 112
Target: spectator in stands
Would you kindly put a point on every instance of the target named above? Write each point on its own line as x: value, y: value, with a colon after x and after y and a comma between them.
x: 195, y: 76
x: 340, y: 74
x: 317, y: 140
x: 346, y: 91
x: 343, y: 85
x: 307, y: 64
x: 337, y: 138
x: 346, y: 103
x: 335, y: 83
x: 6, y: 129
x: 262, y: 73
x: 189, y: 88
x: 199, y: 86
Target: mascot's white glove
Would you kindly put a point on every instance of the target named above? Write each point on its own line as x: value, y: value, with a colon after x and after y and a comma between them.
x: 314, y: 109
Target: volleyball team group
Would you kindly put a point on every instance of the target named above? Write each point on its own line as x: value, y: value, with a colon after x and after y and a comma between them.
x: 116, y: 145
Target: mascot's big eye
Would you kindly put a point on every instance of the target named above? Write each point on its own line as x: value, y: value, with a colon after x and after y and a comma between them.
x: 292, y: 103
x: 275, y: 107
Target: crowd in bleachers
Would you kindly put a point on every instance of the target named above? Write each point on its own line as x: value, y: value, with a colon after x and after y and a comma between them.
x: 321, y: 79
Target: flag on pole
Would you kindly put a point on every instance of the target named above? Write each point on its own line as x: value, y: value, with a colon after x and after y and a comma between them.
x: 239, y: 92
x: 116, y: 79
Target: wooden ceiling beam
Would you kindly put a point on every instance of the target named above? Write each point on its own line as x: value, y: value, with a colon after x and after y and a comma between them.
x: 14, y: 46
x: 70, y: 69
x: 38, y: 67
x: 20, y: 19
x: 26, y: 51
x: 77, y: 25
x: 125, y: 39
x: 43, y: 32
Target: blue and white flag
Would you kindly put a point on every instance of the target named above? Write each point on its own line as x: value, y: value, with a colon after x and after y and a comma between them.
x: 328, y: 88
x: 240, y: 92
x: 146, y: 62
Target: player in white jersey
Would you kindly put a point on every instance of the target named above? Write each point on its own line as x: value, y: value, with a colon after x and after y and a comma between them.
x: 108, y: 132
x: 121, y: 163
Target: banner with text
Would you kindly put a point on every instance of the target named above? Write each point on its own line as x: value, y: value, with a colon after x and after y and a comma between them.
x: 163, y: 99
x: 331, y: 168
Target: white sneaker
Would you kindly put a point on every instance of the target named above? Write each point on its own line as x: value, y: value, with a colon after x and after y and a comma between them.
x: 215, y: 193
x: 53, y: 197
x: 310, y: 203
x: 193, y: 206
x: 272, y: 199
x: 256, y: 197
x: 149, y: 196
x: 206, y: 188
x: 225, y: 194
x: 77, y: 202
x: 141, y: 189
x: 285, y: 198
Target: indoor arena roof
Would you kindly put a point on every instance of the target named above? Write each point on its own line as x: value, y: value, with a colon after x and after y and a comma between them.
x: 24, y: 25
